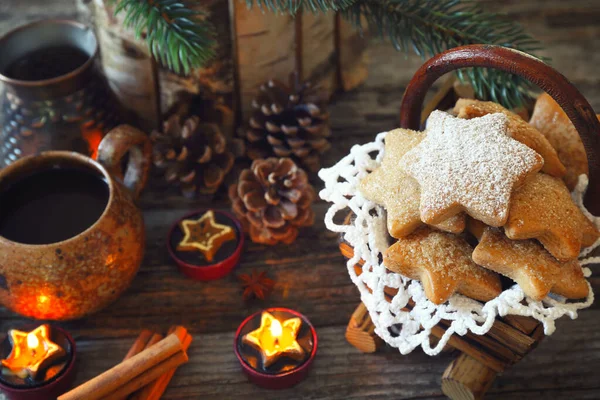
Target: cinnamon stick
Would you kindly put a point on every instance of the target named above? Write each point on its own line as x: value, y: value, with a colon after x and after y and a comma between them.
x: 145, y: 340
x: 148, y: 376
x: 128, y: 370
x: 145, y: 392
x: 139, y: 344
x: 156, y: 389
x: 178, y: 331
x: 157, y: 337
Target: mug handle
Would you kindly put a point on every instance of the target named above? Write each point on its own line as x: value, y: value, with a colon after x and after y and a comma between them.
x: 116, y: 144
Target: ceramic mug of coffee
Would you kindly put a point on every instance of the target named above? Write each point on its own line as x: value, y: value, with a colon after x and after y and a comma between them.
x: 71, y: 236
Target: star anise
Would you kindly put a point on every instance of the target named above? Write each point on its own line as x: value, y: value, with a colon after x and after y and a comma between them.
x: 256, y: 284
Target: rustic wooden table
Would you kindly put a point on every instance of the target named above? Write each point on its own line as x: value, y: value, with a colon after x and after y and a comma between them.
x: 311, y: 274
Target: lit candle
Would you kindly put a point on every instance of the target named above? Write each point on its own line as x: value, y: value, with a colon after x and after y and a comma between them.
x: 31, y: 353
x: 276, y: 347
x: 274, y: 339
x: 36, y: 364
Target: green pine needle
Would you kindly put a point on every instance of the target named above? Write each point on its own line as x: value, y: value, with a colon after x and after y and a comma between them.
x: 428, y: 27
x: 292, y: 6
x: 178, y: 37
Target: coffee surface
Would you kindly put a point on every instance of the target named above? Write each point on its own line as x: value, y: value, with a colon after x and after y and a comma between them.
x: 46, y: 63
x: 52, y: 205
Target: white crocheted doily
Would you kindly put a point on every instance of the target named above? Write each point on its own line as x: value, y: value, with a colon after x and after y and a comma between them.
x: 368, y: 236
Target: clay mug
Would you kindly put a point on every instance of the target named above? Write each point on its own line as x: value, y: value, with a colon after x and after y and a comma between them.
x: 71, y: 236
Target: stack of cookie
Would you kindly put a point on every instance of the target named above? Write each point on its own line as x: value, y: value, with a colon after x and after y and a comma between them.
x: 482, y: 193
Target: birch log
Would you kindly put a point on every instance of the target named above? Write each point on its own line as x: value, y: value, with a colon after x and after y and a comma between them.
x: 214, y: 80
x: 318, y: 50
x: 128, y: 67
x: 353, y: 58
x: 265, y: 49
x: 148, y: 90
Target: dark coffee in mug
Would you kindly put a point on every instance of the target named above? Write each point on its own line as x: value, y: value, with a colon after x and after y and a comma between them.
x: 46, y: 63
x: 52, y: 205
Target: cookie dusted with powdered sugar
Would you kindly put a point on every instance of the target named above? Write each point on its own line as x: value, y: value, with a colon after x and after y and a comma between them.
x: 469, y: 165
x: 518, y: 129
x: 398, y: 192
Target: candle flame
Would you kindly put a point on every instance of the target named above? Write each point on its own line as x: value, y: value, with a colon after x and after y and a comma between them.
x: 32, y: 341
x: 275, y: 338
x: 276, y: 329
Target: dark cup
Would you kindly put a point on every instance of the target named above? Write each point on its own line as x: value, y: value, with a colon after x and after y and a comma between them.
x: 54, y: 97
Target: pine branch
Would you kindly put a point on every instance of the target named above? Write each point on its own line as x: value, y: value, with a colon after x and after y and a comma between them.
x: 292, y: 6
x: 179, y: 37
x: 428, y: 27
x: 182, y: 39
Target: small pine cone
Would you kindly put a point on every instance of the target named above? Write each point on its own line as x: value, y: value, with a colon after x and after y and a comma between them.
x: 288, y: 121
x: 195, y: 156
x: 273, y: 199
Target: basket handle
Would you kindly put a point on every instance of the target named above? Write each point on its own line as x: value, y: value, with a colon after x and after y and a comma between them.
x: 545, y: 77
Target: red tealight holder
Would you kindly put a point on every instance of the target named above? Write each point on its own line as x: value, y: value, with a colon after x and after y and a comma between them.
x: 193, y: 264
x: 280, y: 371
x: 56, y: 379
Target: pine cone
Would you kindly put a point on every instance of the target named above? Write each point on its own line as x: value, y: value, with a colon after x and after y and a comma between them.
x: 288, y: 121
x: 273, y: 199
x: 193, y: 155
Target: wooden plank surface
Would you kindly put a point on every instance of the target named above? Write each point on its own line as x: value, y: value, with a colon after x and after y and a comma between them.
x: 311, y: 273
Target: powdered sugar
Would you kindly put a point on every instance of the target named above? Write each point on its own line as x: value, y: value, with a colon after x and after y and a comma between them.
x: 470, y: 165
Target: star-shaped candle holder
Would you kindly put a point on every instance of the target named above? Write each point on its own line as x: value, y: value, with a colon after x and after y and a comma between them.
x: 206, y: 244
x: 276, y: 347
x: 37, y: 363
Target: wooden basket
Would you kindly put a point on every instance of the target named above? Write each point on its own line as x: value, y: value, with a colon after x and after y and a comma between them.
x: 471, y: 374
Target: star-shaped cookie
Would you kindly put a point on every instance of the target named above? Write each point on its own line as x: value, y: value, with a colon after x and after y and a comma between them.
x: 204, y: 235
x: 442, y: 262
x: 542, y: 209
x: 32, y: 352
x: 274, y: 339
x: 530, y: 265
x: 469, y: 165
x: 549, y: 118
x: 518, y: 129
x: 399, y: 192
